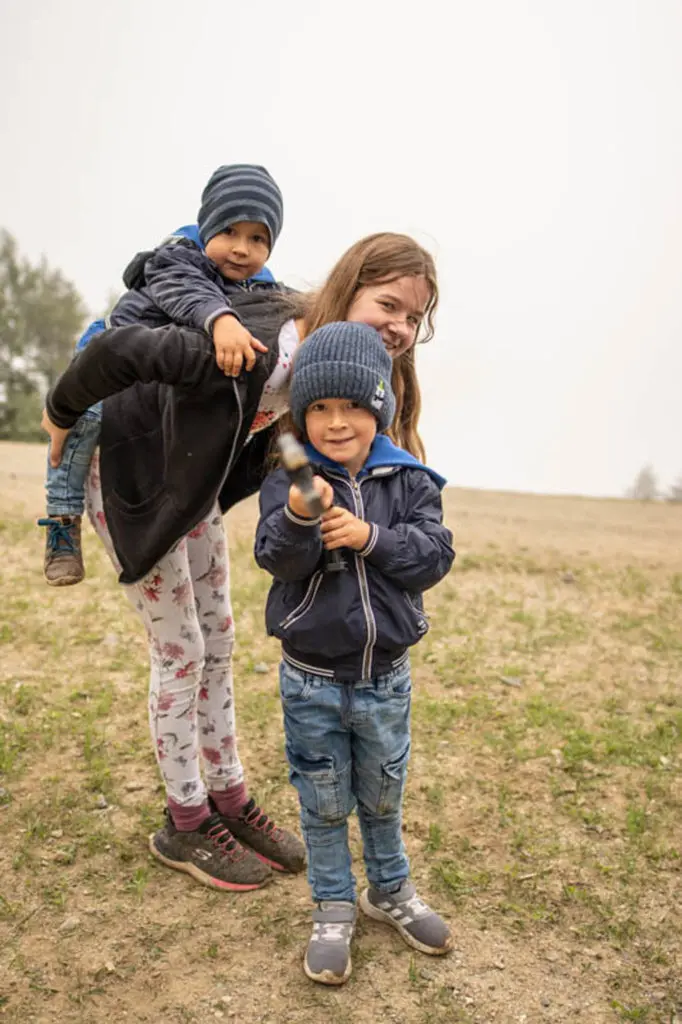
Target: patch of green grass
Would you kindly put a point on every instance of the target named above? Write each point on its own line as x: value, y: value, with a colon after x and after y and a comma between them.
x: 457, y: 882
x: 524, y: 619
x: 541, y: 713
x: 435, y: 840
x: 627, y: 622
x: 436, y: 715
x: 504, y: 809
x: 55, y: 893
x: 579, y: 746
x: 513, y: 670
x: 435, y: 795
x: 412, y: 972
x: 636, y: 820
x: 664, y: 639
x: 96, y: 759
x: 633, y: 582
x: 14, y: 741
x: 139, y: 881
x: 633, y: 1013
x: 624, y: 740
x: 469, y: 563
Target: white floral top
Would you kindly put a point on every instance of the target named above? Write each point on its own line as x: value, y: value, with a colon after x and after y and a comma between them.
x: 274, y: 401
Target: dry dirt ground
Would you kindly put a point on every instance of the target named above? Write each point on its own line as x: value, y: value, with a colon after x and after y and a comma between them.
x: 543, y: 814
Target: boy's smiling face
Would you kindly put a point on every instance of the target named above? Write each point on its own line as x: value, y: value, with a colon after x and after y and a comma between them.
x: 240, y: 251
x: 342, y: 430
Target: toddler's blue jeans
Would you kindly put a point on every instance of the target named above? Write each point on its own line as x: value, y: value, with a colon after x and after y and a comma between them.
x: 348, y: 744
x: 65, y: 485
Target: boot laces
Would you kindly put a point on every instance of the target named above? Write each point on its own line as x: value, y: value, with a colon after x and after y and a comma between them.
x: 60, y: 537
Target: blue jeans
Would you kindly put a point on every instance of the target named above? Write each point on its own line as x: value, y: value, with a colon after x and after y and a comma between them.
x: 65, y: 485
x: 348, y: 744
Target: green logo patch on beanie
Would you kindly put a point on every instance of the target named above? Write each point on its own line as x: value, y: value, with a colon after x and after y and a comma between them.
x: 379, y: 395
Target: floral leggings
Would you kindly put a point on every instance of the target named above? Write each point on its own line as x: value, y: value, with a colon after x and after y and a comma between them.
x: 184, y: 603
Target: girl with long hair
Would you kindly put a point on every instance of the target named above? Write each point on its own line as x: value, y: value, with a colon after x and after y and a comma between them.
x: 181, y: 443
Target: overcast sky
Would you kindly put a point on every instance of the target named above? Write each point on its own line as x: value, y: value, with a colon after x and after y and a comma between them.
x: 535, y: 146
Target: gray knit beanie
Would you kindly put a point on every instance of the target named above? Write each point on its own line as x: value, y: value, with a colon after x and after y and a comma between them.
x: 343, y: 360
x: 240, y: 192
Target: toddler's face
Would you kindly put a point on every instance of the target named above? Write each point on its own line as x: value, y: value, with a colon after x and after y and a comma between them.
x: 341, y: 430
x: 240, y: 251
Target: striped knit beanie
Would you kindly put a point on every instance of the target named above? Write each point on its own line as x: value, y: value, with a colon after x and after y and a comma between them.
x: 240, y: 192
x: 343, y: 360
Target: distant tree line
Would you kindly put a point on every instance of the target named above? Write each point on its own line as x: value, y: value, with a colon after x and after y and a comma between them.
x: 41, y: 317
x: 646, y: 488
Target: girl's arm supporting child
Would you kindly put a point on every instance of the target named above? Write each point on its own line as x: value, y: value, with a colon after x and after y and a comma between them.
x: 118, y: 358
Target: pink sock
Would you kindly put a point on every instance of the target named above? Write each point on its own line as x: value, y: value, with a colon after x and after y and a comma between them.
x: 230, y: 801
x: 188, y: 819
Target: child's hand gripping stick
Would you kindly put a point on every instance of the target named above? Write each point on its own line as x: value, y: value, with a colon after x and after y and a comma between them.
x: 297, y: 465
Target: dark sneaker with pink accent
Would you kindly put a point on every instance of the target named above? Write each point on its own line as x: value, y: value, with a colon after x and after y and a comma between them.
x: 276, y: 847
x: 210, y: 854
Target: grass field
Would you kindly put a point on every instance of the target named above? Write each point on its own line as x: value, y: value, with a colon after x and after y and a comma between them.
x: 543, y: 815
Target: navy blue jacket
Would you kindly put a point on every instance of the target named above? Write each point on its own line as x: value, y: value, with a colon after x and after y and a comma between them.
x: 355, y: 624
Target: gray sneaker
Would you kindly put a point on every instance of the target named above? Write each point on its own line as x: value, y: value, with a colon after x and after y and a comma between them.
x: 419, y: 926
x: 327, y: 958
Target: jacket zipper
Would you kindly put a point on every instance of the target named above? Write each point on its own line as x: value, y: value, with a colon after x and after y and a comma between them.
x: 236, y: 433
x: 364, y: 591
x: 362, y: 580
x: 307, y: 602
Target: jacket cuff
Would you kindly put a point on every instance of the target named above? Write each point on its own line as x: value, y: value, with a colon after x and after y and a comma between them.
x: 213, y: 316
x: 371, y: 541
x: 297, y: 520
x: 380, y: 545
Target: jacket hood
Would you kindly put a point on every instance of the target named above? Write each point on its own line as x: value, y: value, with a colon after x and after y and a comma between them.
x: 383, y: 454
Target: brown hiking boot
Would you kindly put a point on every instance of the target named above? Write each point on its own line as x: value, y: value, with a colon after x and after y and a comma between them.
x: 63, y: 556
x: 210, y: 854
x: 282, y: 850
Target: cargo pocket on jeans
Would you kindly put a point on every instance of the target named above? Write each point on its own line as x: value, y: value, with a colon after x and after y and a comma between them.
x: 318, y: 785
x: 393, y: 775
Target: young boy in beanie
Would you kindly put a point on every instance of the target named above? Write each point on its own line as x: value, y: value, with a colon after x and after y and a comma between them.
x: 345, y: 671
x: 188, y: 280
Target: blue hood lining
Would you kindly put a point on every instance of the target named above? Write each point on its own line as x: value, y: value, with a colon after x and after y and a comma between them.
x: 383, y: 453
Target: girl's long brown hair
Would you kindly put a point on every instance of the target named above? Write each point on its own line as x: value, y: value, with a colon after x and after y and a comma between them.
x: 373, y: 260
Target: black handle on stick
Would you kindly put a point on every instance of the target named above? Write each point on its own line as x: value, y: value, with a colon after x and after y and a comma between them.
x: 297, y: 465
